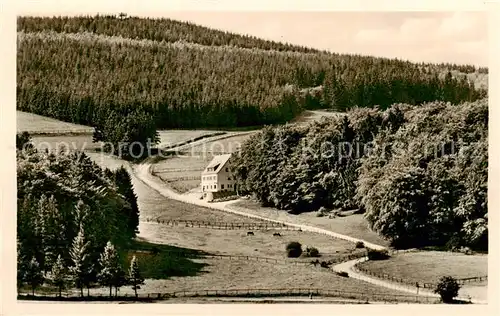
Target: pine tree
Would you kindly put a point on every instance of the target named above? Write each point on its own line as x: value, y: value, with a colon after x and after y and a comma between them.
x: 59, y: 274
x: 21, y: 265
x: 125, y: 187
x: 111, y: 272
x: 80, y: 270
x: 53, y: 231
x: 135, y: 277
x: 34, y: 275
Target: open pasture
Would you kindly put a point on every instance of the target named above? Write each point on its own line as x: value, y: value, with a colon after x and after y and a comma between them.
x: 171, y: 137
x: 262, y: 243
x: 217, y: 274
x: 37, y: 124
x: 352, y: 225
x: 429, y: 266
x: 220, y: 145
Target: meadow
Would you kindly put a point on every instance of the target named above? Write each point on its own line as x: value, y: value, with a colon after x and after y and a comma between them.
x: 429, y: 266
x: 352, y: 225
x: 40, y: 125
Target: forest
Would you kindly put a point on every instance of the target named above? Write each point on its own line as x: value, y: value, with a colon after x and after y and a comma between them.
x: 419, y: 173
x: 83, y: 69
x: 70, y: 211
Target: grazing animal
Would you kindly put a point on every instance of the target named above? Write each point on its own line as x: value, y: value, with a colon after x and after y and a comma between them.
x: 277, y: 234
x: 315, y: 262
x: 250, y: 233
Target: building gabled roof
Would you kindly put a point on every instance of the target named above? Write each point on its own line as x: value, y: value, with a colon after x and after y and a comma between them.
x: 217, y: 163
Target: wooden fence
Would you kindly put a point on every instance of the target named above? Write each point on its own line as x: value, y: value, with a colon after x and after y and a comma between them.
x: 310, y: 262
x: 222, y: 225
x: 269, y: 292
x: 413, y: 283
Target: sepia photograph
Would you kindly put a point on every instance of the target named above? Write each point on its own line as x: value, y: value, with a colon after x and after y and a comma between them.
x: 257, y: 157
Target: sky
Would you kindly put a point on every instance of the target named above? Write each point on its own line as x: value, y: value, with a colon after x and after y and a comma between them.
x: 444, y: 36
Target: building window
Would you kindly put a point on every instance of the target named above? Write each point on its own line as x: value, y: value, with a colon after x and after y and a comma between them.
x: 229, y: 178
x: 227, y: 169
x: 222, y: 186
x: 215, y: 186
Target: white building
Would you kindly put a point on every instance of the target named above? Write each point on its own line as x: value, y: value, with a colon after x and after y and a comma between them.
x: 217, y: 176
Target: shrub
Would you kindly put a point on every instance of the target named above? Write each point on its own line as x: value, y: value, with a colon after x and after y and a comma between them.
x: 342, y: 274
x: 293, y: 249
x: 466, y: 250
x: 447, y: 288
x: 324, y: 264
x: 377, y: 254
x: 360, y: 244
x: 311, y: 252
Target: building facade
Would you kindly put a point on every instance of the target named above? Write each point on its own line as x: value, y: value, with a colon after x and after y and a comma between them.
x: 218, y: 176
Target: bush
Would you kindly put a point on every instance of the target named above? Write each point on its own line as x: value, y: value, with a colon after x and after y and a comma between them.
x: 377, y: 254
x: 293, y: 249
x: 360, y: 244
x: 447, y: 288
x: 311, y: 252
x: 342, y: 274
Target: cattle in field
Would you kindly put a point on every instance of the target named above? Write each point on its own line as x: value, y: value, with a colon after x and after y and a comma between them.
x: 277, y: 234
x: 250, y: 233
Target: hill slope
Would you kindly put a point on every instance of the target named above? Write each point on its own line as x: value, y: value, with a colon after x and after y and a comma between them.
x: 84, y: 69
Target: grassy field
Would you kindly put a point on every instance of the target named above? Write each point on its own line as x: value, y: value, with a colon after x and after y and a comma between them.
x: 171, y: 137
x: 192, y: 160
x: 310, y: 116
x: 236, y: 242
x: 232, y: 274
x: 37, y: 124
x: 225, y: 145
x: 352, y: 225
x: 430, y: 266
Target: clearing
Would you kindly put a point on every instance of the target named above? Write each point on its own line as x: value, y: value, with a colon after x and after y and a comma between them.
x: 37, y: 124
x: 169, y: 138
x: 352, y: 225
x: 236, y: 242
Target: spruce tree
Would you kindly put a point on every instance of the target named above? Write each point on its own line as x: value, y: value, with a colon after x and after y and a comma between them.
x: 59, y: 274
x: 125, y: 187
x: 80, y: 270
x: 135, y: 277
x: 111, y: 272
x: 34, y: 275
x: 21, y: 265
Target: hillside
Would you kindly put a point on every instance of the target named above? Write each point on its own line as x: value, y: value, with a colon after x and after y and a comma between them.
x: 83, y: 69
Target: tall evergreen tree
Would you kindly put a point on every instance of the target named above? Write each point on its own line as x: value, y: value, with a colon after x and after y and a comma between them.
x: 81, y: 269
x: 111, y: 272
x: 125, y: 187
x: 34, y: 275
x: 134, y: 275
x: 59, y: 275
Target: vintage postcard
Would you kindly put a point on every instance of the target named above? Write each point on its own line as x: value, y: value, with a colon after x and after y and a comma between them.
x: 327, y: 159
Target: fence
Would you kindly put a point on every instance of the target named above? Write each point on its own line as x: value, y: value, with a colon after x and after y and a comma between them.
x: 164, y: 170
x: 313, y: 261
x: 83, y: 131
x: 188, y: 178
x: 287, y: 292
x: 413, y: 283
x: 223, y: 225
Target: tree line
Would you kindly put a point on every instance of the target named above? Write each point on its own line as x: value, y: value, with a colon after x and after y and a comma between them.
x: 419, y: 173
x: 68, y: 210
x: 155, y: 29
